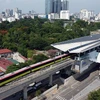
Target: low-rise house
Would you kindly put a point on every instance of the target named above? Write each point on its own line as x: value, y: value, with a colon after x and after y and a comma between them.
x: 5, y: 53
x: 4, y: 63
x: 18, y: 57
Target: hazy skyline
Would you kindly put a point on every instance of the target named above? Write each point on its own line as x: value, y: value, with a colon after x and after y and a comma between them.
x: 39, y: 5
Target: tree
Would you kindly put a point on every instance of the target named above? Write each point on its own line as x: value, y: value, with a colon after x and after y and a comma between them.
x: 37, y: 43
x: 38, y: 92
x: 12, y: 68
x: 95, y: 95
x: 30, y: 53
x: 82, y: 23
x: 40, y: 57
x: 92, y: 26
x: 23, y: 51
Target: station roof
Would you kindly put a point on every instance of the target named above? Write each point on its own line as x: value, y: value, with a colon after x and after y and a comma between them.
x: 79, y: 45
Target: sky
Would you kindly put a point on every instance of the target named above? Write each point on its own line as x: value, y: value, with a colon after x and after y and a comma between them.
x: 39, y: 5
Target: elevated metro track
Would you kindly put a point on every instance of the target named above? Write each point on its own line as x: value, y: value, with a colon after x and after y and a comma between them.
x: 23, y: 83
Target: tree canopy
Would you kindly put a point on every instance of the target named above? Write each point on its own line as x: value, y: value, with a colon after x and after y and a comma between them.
x: 95, y: 95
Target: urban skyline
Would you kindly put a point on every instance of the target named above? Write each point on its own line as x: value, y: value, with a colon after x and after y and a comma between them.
x: 33, y: 5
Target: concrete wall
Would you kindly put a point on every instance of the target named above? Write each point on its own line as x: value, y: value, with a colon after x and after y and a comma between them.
x: 68, y: 80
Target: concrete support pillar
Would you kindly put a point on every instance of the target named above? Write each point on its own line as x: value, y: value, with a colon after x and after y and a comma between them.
x: 50, y: 80
x: 80, y: 68
x: 25, y: 93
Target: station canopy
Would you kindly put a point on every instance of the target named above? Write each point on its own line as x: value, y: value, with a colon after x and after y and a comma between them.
x: 79, y: 45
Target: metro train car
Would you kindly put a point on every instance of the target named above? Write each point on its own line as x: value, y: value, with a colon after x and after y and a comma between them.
x: 5, y: 79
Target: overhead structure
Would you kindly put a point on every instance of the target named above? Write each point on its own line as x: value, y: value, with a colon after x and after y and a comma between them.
x: 79, y: 45
x: 87, y: 49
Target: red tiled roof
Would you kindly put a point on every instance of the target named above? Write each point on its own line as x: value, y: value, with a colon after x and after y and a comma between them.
x: 4, y: 63
x: 2, y: 51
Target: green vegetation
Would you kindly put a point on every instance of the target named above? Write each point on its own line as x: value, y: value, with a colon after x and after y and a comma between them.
x: 30, y: 53
x: 38, y: 92
x: 39, y: 58
x: 27, y: 35
x: 94, y: 95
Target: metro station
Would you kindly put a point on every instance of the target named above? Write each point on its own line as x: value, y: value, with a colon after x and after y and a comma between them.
x: 87, y: 50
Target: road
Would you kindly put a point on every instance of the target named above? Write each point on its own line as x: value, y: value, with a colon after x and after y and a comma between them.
x: 83, y: 94
x: 69, y: 91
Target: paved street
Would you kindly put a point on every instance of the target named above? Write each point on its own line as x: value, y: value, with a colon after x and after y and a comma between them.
x: 75, y: 90
x: 94, y: 85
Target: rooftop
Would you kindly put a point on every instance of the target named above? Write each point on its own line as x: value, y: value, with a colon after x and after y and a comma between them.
x: 13, y: 61
x: 2, y: 51
x: 4, y: 63
x: 79, y: 45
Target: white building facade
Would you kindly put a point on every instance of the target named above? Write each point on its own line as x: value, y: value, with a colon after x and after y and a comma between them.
x: 64, y: 14
x: 97, y: 18
x: 11, y: 19
x: 53, y: 16
x: 86, y: 15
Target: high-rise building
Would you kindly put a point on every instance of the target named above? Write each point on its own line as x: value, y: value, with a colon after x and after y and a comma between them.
x: 52, y: 6
x: 7, y: 12
x: 65, y: 5
x: 11, y: 12
x: 57, y: 6
x: 48, y: 6
x: 16, y: 10
x: 20, y: 12
x: 3, y: 13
